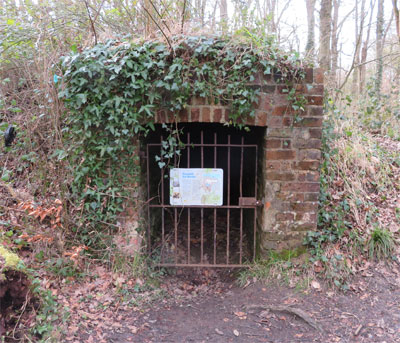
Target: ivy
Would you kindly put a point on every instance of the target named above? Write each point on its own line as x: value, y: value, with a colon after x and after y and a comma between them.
x: 114, y: 90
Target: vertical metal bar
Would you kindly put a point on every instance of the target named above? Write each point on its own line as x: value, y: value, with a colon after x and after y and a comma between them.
x: 176, y: 234
x: 241, y: 209
x: 188, y: 166
x: 254, y: 234
x: 162, y: 174
x: 148, y: 199
x: 176, y: 222
x: 202, y: 148
x: 162, y: 208
x: 241, y: 168
x: 255, y: 208
x: 162, y: 233
x: 215, y: 210
x: 202, y: 210
x: 228, y: 200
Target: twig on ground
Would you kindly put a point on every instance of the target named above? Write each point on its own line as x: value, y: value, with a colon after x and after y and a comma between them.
x: 358, y: 330
x: 22, y: 312
x: 253, y: 334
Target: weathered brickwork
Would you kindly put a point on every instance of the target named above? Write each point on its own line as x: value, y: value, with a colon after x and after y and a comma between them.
x: 292, y: 156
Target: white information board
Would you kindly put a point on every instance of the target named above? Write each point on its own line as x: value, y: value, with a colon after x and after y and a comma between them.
x: 196, y: 186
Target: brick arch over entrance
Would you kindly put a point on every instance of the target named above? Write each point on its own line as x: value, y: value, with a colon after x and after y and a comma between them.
x: 292, y: 143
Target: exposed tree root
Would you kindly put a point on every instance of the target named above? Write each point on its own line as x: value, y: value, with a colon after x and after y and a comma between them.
x: 289, y: 309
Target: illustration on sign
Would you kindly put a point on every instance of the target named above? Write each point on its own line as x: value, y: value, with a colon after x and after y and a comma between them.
x: 196, y: 186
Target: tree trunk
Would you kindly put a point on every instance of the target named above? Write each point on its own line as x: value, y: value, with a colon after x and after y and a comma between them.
x: 223, y: 11
x: 325, y: 34
x: 379, y: 47
x: 396, y: 17
x: 334, y: 43
x: 364, y: 50
x: 271, y: 7
x: 359, y: 29
x: 148, y: 23
x: 310, y: 47
x: 214, y: 17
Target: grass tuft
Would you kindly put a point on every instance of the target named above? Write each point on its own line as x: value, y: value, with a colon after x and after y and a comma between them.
x: 380, y: 244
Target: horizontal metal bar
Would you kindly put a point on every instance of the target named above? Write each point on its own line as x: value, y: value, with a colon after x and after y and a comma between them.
x: 213, y: 145
x: 191, y: 265
x: 199, y: 206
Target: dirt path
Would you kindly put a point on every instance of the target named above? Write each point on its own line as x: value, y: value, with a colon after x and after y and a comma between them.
x: 219, y: 312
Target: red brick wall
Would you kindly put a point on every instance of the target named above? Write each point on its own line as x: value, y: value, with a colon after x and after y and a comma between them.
x: 292, y: 155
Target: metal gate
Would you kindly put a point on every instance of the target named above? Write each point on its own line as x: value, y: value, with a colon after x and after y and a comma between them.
x: 204, y: 236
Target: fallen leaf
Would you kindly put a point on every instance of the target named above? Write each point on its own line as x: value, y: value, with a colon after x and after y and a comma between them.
x: 241, y: 315
x: 133, y: 328
x: 219, y: 332
x: 318, y: 267
x: 315, y: 284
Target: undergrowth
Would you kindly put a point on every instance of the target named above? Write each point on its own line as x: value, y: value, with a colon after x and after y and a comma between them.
x: 359, y: 185
x: 290, y: 269
x: 380, y: 243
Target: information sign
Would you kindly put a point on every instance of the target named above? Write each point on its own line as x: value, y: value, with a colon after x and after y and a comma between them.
x: 196, y: 186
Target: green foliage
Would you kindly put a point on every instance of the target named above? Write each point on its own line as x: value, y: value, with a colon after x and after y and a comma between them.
x: 380, y: 112
x: 381, y: 243
x: 62, y: 267
x: 355, y: 167
x: 286, y: 266
x: 332, y: 221
x: 48, y: 314
x: 114, y: 90
x: 332, y: 215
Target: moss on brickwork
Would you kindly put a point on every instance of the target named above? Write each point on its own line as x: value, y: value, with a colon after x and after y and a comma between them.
x: 287, y: 254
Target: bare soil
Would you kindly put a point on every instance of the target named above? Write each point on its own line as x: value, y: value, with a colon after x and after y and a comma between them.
x: 15, y: 299
x: 208, y: 306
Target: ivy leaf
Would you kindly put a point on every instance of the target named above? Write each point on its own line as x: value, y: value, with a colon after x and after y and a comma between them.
x: 81, y: 99
x: 147, y: 109
x: 175, y: 66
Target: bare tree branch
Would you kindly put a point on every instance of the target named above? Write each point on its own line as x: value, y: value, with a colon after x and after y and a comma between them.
x: 159, y: 27
x: 158, y: 13
x: 183, y: 15
x: 91, y: 22
x: 364, y: 63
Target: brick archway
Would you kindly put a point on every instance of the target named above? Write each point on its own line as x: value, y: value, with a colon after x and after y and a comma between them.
x: 292, y: 155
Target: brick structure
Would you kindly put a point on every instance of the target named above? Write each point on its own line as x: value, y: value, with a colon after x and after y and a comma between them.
x: 292, y: 155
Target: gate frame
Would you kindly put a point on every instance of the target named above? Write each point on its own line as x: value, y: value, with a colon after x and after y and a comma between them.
x: 244, y: 203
